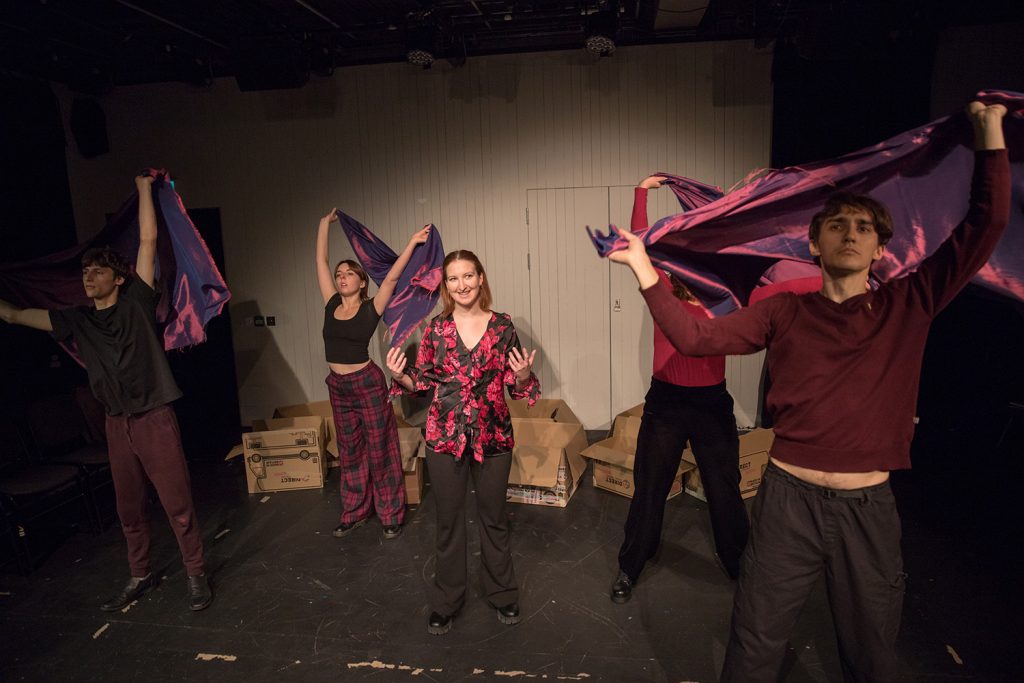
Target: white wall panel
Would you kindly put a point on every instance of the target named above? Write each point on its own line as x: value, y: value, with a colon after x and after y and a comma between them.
x: 397, y: 147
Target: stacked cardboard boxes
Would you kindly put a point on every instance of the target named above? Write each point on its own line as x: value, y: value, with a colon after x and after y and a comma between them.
x: 273, y: 446
x: 754, y: 448
x: 284, y: 454
x: 613, y: 457
x: 546, y: 462
x: 414, y: 450
x: 323, y: 409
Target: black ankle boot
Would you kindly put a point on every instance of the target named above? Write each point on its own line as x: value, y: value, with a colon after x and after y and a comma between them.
x: 133, y: 590
x: 509, y: 614
x: 200, y: 595
x: 439, y: 624
x: 622, y: 589
x: 343, y: 530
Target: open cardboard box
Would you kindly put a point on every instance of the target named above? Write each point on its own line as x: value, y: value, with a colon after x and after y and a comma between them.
x: 283, y: 454
x: 754, y: 448
x: 323, y: 409
x: 614, y: 456
x: 414, y: 450
x: 546, y: 461
x: 319, y: 414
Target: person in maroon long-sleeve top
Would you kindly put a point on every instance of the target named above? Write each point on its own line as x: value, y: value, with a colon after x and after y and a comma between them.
x: 846, y: 362
x: 687, y: 401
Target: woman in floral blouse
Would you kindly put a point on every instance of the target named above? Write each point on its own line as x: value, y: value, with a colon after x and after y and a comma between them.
x: 467, y: 357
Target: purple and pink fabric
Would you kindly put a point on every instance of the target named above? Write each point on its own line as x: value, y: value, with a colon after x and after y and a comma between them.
x: 418, y: 286
x: 185, y: 269
x: 724, y: 245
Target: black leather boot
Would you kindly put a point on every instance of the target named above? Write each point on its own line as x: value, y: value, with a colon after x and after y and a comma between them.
x: 509, y: 614
x: 622, y: 589
x: 439, y: 624
x: 200, y: 595
x: 133, y: 590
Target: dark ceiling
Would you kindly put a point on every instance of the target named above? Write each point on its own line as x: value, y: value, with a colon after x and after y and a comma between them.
x: 93, y: 45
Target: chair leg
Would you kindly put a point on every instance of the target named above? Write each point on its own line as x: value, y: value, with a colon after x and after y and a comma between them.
x: 91, y: 506
x: 22, y: 552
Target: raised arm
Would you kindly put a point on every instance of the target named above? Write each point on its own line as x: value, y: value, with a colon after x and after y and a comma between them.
x: 988, y: 125
x: 744, y: 331
x: 945, y: 272
x: 324, y: 276
x: 36, y: 318
x: 638, y: 221
x: 145, y: 262
x: 635, y: 256
x: 387, y: 287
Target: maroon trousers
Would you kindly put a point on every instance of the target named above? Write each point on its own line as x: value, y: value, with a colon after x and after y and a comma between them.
x: 148, y: 446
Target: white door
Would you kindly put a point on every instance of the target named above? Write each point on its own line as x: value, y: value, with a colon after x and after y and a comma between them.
x: 595, y: 334
x: 569, y: 300
x: 632, y: 328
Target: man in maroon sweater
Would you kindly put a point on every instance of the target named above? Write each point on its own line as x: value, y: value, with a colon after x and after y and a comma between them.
x: 846, y: 362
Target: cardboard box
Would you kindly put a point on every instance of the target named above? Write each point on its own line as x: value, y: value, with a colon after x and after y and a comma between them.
x: 414, y: 451
x: 546, y: 461
x: 613, y: 457
x: 413, y: 477
x: 324, y: 410
x: 754, y: 448
x: 284, y: 454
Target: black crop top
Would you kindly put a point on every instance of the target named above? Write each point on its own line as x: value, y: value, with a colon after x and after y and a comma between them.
x: 346, y: 341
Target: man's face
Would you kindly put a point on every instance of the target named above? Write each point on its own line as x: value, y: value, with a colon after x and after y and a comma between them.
x: 847, y: 243
x: 100, y: 281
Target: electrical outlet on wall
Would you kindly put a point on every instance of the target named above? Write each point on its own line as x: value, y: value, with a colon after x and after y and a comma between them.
x: 271, y: 320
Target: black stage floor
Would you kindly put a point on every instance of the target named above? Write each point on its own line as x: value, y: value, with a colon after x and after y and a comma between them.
x: 294, y: 603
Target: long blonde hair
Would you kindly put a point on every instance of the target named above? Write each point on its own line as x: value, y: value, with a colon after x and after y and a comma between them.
x: 485, y: 289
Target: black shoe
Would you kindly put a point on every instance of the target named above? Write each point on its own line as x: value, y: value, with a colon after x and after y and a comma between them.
x: 133, y: 590
x: 438, y: 624
x: 622, y: 589
x: 509, y: 614
x: 199, y: 593
x: 344, y: 529
x: 392, y: 531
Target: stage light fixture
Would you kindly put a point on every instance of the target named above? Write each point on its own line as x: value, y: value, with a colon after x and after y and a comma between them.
x: 601, y: 46
x: 419, y: 57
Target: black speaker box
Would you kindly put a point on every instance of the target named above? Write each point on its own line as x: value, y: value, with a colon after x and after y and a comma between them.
x: 89, y: 127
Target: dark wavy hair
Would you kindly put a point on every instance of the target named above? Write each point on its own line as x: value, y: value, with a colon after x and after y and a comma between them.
x: 364, y: 293
x: 838, y: 201
x: 105, y: 257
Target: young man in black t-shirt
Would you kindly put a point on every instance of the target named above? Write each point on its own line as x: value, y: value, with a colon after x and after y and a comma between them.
x: 122, y: 349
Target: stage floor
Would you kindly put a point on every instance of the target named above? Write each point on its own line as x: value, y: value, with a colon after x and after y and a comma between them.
x: 294, y: 603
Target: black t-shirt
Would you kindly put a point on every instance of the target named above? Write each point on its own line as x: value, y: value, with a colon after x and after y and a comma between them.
x: 122, y: 350
x: 346, y: 341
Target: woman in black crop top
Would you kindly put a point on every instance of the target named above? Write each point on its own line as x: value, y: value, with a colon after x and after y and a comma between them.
x: 371, y: 465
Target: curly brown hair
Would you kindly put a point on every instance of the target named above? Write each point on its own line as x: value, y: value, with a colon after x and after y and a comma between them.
x: 105, y: 257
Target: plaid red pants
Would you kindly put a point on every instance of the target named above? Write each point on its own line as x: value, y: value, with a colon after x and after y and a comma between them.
x: 371, y: 462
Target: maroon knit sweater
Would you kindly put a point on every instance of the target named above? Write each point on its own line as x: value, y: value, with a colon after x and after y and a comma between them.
x: 845, y: 376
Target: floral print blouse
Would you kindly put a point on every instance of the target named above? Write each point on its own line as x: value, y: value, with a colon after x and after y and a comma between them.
x: 468, y: 409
